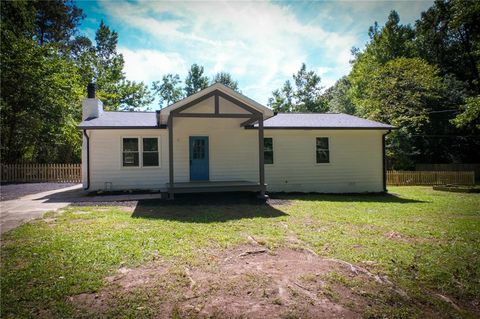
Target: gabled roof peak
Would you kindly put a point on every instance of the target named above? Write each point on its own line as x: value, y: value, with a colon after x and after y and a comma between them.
x: 224, y: 89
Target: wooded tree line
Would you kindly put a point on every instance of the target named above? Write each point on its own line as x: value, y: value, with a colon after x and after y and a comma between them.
x: 423, y: 79
x: 169, y: 90
x: 46, y: 65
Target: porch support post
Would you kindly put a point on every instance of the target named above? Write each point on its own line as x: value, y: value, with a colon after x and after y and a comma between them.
x: 170, y: 156
x: 261, y: 160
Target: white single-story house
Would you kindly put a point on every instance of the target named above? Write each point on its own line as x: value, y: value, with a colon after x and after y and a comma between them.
x: 220, y: 140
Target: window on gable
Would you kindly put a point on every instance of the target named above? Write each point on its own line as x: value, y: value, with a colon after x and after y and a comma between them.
x: 323, y: 151
x: 150, y: 151
x: 130, y: 152
x: 268, y: 150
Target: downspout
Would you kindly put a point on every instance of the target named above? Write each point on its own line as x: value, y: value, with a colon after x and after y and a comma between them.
x: 384, y: 161
x: 88, y: 159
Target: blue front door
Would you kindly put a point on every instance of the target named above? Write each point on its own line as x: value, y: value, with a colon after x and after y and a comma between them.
x: 199, y: 158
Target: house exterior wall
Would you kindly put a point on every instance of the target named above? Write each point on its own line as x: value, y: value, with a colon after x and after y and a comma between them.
x: 233, y: 154
x: 84, y: 162
x: 355, y: 161
x: 355, y: 158
x: 206, y: 106
x: 229, y: 107
x: 106, y: 161
x: 233, y: 151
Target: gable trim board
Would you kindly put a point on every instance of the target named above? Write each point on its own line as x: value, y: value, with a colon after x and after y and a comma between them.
x: 236, y: 150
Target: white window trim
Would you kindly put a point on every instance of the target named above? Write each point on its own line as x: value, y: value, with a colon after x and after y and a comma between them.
x: 329, y: 151
x: 140, y: 152
x: 159, y: 152
x: 273, y: 152
x: 121, y: 153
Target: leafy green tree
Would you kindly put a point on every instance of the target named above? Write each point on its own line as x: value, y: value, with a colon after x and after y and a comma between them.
x: 402, y: 93
x: 17, y: 19
x: 308, y: 91
x: 39, y: 103
x: 389, y: 42
x: 56, y: 21
x: 470, y: 115
x: 392, y: 41
x: 45, y: 67
x: 133, y: 96
x: 338, y: 99
x: 195, y: 80
x: 448, y: 35
x: 39, y: 87
x: 168, y: 89
x: 104, y: 65
x: 304, y: 96
x: 282, y: 99
x: 226, y: 79
x: 430, y: 134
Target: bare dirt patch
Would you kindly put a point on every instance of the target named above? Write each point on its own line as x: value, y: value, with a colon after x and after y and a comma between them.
x: 396, y: 236
x: 249, y: 281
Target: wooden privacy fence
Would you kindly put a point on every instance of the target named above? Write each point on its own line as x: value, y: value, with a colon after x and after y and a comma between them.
x: 430, y: 177
x: 450, y: 167
x: 28, y: 173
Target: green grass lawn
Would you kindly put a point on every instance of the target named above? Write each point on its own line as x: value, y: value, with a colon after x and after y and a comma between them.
x: 427, y: 242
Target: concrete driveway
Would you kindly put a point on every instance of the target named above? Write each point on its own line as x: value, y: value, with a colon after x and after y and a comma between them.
x: 25, y: 208
x: 21, y: 210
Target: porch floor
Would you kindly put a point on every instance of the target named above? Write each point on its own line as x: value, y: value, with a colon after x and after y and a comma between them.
x: 214, y: 186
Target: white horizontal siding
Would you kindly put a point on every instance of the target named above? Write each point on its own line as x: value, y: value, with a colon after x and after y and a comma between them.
x: 355, y: 162
x: 355, y: 157
x: 233, y: 154
x: 205, y: 106
x: 225, y: 106
x: 233, y: 151
x: 106, y: 161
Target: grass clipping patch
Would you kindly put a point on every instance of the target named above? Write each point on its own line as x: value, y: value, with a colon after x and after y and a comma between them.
x: 247, y: 281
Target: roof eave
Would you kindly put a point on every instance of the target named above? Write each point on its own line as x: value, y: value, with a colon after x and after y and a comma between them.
x: 320, y: 128
x: 120, y: 127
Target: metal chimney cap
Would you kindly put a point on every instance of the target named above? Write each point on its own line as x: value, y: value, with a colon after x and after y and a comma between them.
x: 91, y: 90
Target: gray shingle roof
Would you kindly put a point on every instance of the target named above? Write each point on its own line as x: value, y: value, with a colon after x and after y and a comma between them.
x: 282, y: 120
x: 322, y: 120
x: 121, y: 120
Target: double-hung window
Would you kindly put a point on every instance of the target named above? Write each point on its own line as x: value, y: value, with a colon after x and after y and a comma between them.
x: 130, y: 152
x: 268, y: 150
x: 132, y: 147
x: 323, y: 150
x: 150, y: 151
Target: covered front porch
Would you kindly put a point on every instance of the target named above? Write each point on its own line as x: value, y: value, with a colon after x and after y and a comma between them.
x: 209, y: 149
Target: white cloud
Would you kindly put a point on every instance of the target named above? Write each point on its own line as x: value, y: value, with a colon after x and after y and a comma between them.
x: 262, y: 44
x: 151, y: 65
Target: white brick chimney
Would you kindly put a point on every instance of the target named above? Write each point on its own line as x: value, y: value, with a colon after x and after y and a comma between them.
x: 91, y: 106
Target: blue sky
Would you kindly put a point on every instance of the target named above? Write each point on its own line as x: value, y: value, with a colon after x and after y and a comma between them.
x: 260, y: 43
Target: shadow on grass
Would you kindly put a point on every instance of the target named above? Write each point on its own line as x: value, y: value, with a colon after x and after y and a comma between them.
x: 221, y: 207
x: 207, y: 208
x: 371, y: 198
